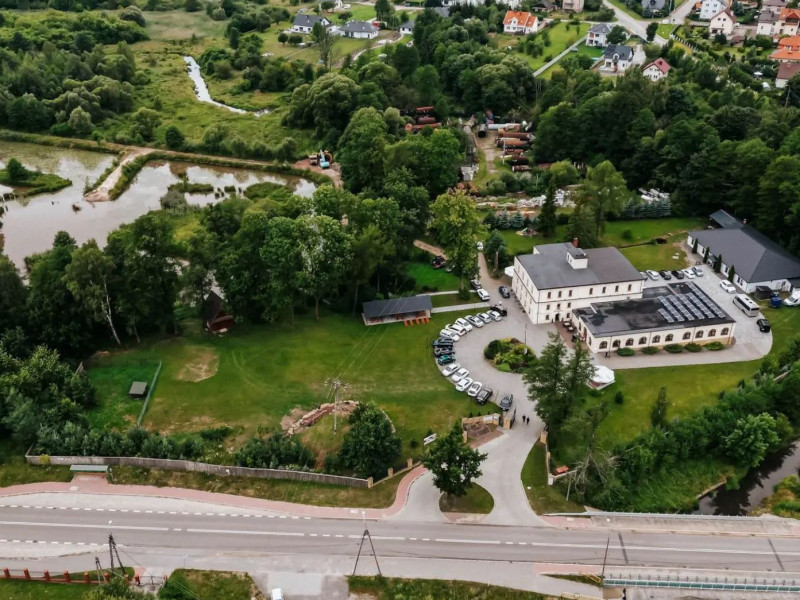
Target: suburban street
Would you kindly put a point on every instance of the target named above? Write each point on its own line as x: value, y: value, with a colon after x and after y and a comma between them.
x: 635, y: 25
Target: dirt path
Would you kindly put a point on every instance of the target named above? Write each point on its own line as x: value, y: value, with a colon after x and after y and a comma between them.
x: 102, y: 193
x: 435, y: 250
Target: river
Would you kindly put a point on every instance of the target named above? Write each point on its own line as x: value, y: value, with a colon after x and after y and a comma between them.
x: 202, y: 93
x: 753, y: 487
x: 29, y: 227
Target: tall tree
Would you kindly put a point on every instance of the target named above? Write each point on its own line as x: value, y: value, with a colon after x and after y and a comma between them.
x: 454, y: 464
x: 282, y: 256
x: 89, y: 277
x: 362, y: 150
x: 545, y: 379
x: 652, y: 30
x: 547, y: 221
x: 370, y: 248
x: 197, y: 275
x: 12, y: 295
x: 658, y: 414
x: 458, y: 227
x: 577, y: 375
x: 752, y: 437
x: 604, y: 192
x: 371, y: 446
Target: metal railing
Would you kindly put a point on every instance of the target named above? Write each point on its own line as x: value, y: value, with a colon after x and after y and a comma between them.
x: 689, y: 517
x: 697, y: 582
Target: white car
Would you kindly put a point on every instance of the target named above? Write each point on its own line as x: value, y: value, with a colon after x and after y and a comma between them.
x: 477, y: 322
x: 462, y: 385
x: 276, y: 594
x: 473, y: 390
x: 449, y: 333
x: 653, y: 275
x: 727, y: 286
x: 698, y: 271
x: 793, y: 300
x: 483, y: 295
x: 464, y: 323
x: 457, y: 328
x: 450, y: 369
x: 496, y: 316
x: 485, y: 317
x: 690, y: 274
x: 479, y: 245
x: 459, y: 375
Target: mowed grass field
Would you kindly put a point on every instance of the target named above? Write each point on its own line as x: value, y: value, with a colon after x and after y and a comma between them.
x: 560, y: 39
x: 255, y: 376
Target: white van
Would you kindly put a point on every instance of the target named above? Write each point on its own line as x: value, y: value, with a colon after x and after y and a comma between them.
x: 746, y: 305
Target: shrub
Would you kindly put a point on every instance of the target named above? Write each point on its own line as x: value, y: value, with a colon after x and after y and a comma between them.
x: 649, y: 350
x: 673, y: 348
x: 625, y: 352
x: 619, y: 397
x: 714, y: 346
x: 692, y: 347
x: 279, y: 450
x: 627, y: 234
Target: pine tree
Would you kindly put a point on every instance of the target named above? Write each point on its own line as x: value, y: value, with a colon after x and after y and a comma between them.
x: 705, y: 256
x: 694, y: 246
x: 731, y: 273
x: 717, y: 263
x: 658, y: 414
x: 517, y: 221
x: 503, y: 221
x: 547, y: 218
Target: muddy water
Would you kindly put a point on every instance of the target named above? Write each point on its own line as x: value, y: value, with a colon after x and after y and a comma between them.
x: 29, y: 228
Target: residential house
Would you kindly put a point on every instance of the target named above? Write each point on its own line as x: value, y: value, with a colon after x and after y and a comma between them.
x: 653, y: 5
x: 788, y: 21
x: 709, y: 8
x: 407, y: 28
x: 572, y: 5
x: 558, y: 278
x: 513, y: 4
x: 656, y: 70
x: 409, y: 310
x: 597, y: 35
x: 520, y: 22
x: 788, y: 50
x: 769, y: 21
x: 305, y: 23
x: 359, y: 30
x: 754, y: 259
x: 786, y: 70
x: 722, y: 23
x: 617, y: 58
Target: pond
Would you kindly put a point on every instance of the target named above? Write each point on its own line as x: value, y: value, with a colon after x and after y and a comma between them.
x: 753, y: 487
x: 30, y: 226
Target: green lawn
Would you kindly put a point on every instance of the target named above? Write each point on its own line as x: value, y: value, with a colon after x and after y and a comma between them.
x: 591, y: 51
x: 476, y: 501
x: 560, y: 39
x: 543, y: 498
x: 658, y: 256
x: 451, y: 299
x: 14, y: 470
x: 430, y: 279
x: 220, y: 585
x: 113, y: 381
x: 381, y: 588
x: 645, y: 230
x: 34, y: 590
x: 665, y: 29
x: 360, y: 12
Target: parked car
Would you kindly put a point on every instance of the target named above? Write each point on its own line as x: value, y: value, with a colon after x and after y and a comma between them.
x: 495, y: 315
x: 473, y: 389
x: 506, y: 401
x: 464, y: 323
x: 763, y: 325
x: 499, y: 309
x: 475, y: 321
x: 727, y: 286
x: 443, y: 351
x: 459, y: 375
x: 450, y: 369
x: 698, y: 271
x: 442, y: 341
x: 446, y: 359
x: 793, y: 300
x: 677, y: 274
x: 476, y: 285
x: 665, y: 275
x: 643, y: 275
x: 276, y: 594
x: 485, y: 317
x: 438, y: 262
x: 464, y: 384
x: 483, y: 295
x: 652, y: 275
x: 504, y: 291
x: 483, y: 396
x: 690, y: 274
x: 479, y: 246
x: 457, y: 328
x: 449, y: 333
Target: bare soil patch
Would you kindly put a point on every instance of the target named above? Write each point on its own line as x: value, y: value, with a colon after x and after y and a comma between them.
x: 201, y: 363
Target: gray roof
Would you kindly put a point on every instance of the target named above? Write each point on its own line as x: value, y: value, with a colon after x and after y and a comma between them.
x: 309, y: 20
x: 726, y: 220
x: 624, y: 52
x: 753, y: 255
x: 407, y: 25
x: 396, y: 306
x: 600, y: 28
x: 767, y: 16
x: 138, y: 388
x: 358, y: 27
x: 647, y: 313
x: 549, y: 269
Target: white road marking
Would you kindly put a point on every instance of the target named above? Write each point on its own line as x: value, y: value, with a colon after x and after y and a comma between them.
x: 465, y: 541
x: 387, y: 537
x: 241, y: 532
x: 84, y: 526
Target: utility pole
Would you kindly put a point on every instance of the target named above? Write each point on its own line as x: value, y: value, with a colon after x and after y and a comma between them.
x: 112, y: 551
x: 605, y: 556
x: 337, y: 384
x: 99, y: 570
x: 367, y: 536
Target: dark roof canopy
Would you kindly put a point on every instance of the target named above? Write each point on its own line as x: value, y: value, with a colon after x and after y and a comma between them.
x: 396, y: 306
x: 212, y: 306
x: 726, y: 220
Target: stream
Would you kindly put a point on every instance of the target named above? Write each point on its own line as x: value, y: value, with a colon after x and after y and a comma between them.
x: 30, y: 226
x: 202, y: 93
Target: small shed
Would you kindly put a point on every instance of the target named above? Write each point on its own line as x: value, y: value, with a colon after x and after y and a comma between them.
x: 411, y: 309
x: 216, y: 319
x: 138, y: 389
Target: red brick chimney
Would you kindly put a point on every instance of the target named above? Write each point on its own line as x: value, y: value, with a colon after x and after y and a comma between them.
x: 575, y: 242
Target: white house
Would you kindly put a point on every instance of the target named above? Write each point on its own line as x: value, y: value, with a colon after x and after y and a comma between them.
x: 722, y: 23
x: 520, y: 22
x: 407, y: 28
x: 597, y: 35
x: 617, y: 59
x: 572, y: 5
x: 754, y: 258
x: 558, y: 278
x: 305, y: 23
x: 656, y: 70
x: 709, y: 8
x: 359, y: 30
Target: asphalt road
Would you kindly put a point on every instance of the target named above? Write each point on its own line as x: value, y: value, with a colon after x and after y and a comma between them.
x: 255, y: 534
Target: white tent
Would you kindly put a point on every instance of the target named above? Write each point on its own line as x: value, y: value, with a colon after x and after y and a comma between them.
x: 603, y: 377
x: 509, y: 271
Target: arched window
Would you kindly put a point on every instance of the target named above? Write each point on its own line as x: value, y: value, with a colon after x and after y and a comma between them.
x: 603, y: 345
x: 712, y: 333
x: 656, y: 339
x: 642, y: 341
x: 698, y: 335
x: 687, y: 335
x: 615, y: 344
x: 668, y: 338
x: 629, y: 342
x: 724, y: 331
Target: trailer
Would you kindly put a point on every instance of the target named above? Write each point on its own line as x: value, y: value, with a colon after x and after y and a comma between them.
x: 520, y: 168
x: 424, y: 110
x: 515, y: 135
x: 497, y: 126
x: 426, y: 120
x: 520, y: 160
x: 511, y: 143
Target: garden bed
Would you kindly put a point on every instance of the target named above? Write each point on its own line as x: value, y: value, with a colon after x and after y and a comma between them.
x: 509, y: 355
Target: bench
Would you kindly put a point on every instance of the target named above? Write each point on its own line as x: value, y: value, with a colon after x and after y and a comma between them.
x: 89, y: 468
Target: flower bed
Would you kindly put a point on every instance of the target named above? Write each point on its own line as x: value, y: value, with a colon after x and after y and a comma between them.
x: 509, y: 355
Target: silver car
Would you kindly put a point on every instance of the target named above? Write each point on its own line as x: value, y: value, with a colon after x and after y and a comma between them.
x: 698, y: 271
x: 459, y: 375
x: 450, y: 334
x: 485, y: 317
x: 477, y: 322
x: 464, y: 323
x: 450, y: 369
x: 457, y: 328
x: 496, y: 316
x: 473, y: 389
x: 462, y: 385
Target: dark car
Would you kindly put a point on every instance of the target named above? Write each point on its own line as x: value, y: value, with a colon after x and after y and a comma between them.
x: 438, y: 262
x: 497, y: 308
x: 678, y: 274
x: 506, y: 401
x: 445, y: 360
x: 665, y: 275
x: 763, y: 325
x: 483, y: 396
x: 504, y: 291
x: 443, y: 351
x: 442, y: 342
x: 476, y: 285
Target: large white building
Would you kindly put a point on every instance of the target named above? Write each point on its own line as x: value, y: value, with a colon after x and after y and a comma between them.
x: 709, y: 8
x: 558, y: 278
